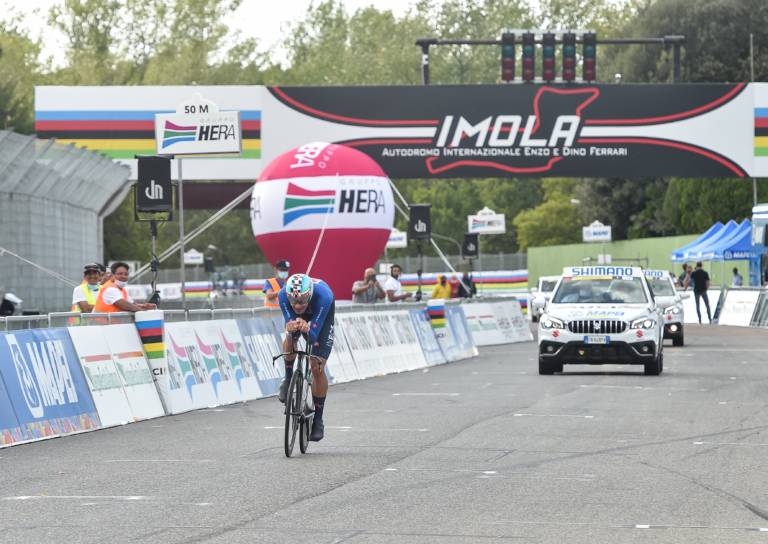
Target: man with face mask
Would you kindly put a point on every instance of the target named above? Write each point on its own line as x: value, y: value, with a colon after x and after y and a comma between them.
x: 367, y: 290
x: 113, y: 296
x: 84, y: 295
x: 392, y: 286
x: 273, y: 285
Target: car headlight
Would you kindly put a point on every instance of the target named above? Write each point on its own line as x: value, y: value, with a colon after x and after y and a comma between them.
x: 642, y: 323
x: 549, y: 322
x: 673, y: 310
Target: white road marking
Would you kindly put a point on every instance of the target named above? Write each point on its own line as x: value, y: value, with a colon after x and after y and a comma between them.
x: 390, y: 469
x: 553, y: 415
x: 78, y: 497
x: 344, y: 428
x: 159, y: 460
x: 485, y: 386
x: 729, y: 444
x: 642, y: 526
x: 425, y: 394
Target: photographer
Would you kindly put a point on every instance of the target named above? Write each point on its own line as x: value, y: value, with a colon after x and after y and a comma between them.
x: 367, y: 290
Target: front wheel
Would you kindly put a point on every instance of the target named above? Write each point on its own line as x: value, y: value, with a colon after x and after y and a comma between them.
x: 293, y: 410
x: 678, y: 340
x: 547, y: 367
x: 306, y: 428
x: 655, y: 367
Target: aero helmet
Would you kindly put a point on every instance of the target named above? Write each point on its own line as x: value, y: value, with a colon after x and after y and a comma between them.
x: 299, y: 289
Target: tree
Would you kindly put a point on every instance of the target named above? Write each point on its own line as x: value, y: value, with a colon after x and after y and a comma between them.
x: 18, y: 69
x: 550, y: 223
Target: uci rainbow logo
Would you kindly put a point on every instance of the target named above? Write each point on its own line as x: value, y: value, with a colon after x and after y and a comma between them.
x: 173, y: 134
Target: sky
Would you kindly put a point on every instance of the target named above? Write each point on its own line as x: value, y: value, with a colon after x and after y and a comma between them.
x: 262, y: 19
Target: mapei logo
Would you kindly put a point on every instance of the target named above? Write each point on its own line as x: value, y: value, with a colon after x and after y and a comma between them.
x: 174, y: 134
x: 43, y: 374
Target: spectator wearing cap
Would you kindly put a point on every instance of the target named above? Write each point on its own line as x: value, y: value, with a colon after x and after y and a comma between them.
x: 113, y: 297
x: 273, y: 285
x: 84, y: 295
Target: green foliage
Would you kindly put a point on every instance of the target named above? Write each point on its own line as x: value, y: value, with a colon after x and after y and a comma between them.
x: 550, y: 223
x: 18, y: 70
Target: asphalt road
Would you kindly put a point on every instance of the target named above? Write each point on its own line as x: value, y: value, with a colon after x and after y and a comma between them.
x: 476, y: 451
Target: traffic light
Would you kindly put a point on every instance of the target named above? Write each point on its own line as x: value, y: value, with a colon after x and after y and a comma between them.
x: 589, y: 68
x: 548, y: 57
x: 569, y: 57
x: 529, y: 57
x: 507, y: 57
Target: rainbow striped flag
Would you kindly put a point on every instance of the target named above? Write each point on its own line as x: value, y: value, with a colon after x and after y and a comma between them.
x: 761, y: 132
x: 122, y: 134
x: 436, y: 313
x: 151, y: 334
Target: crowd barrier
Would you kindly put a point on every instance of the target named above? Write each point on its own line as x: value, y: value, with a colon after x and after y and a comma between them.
x: 101, y: 371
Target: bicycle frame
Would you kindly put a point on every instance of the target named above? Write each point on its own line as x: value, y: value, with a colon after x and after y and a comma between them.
x: 299, y: 409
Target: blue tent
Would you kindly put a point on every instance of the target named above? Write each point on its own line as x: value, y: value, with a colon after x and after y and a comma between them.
x: 697, y: 252
x: 679, y: 254
x: 736, y: 247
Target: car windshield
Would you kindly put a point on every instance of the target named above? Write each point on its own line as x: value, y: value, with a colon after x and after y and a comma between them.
x: 661, y: 287
x: 600, y: 291
x: 547, y: 286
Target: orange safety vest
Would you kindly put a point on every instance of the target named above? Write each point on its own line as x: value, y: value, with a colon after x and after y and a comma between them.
x: 90, y: 298
x: 276, y: 288
x: 103, y: 307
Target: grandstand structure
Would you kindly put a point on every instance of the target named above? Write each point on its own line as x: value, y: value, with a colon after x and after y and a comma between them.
x: 53, y: 201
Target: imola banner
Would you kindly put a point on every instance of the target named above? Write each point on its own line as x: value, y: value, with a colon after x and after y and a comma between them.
x: 532, y: 130
x: 442, y: 131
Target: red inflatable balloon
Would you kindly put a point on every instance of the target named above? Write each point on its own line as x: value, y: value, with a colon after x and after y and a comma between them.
x: 326, y: 208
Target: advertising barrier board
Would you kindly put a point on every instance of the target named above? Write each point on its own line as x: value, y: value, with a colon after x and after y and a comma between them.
x: 341, y: 364
x: 221, y: 357
x: 460, y: 334
x: 189, y: 373
x: 261, y: 343
x: 101, y: 374
x: 367, y: 357
x: 10, y: 430
x: 482, y: 322
x: 45, y: 383
x: 689, y: 306
x: 738, y: 307
x: 427, y: 339
x: 134, y: 370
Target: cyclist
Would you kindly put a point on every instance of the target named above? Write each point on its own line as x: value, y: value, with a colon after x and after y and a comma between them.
x: 308, y: 307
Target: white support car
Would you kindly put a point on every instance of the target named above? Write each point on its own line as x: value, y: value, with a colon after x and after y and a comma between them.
x: 544, y: 288
x: 601, y: 315
x: 670, y: 302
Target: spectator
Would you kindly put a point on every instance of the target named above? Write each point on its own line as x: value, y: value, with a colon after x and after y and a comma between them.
x: 8, y: 304
x: 104, y: 274
x: 392, y: 286
x: 273, y: 285
x: 84, y: 295
x: 113, y: 296
x: 736, y: 280
x: 467, y: 287
x: 675, y: 279
x: 368, y: 290
x: 700, y: 280
x: 685, y: 278
x: 455, y: 284
x: 442, y: 288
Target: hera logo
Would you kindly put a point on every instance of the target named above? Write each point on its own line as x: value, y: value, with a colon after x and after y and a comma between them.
x: 154, y: 191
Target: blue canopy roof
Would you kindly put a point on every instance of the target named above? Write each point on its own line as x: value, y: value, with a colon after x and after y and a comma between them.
x: 738, y: 246
x: 679, y: 254
x: 729, y: 242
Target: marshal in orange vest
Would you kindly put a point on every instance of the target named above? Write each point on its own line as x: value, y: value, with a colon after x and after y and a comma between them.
x: 273, y: 283
x: 103, y: 307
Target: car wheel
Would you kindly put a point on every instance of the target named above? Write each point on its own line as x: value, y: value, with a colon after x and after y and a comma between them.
x: 655, y: 367
x: 547, y: 367
x: 678, y: 339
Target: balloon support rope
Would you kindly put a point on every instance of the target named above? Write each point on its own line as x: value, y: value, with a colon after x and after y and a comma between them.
x: 320, y: 237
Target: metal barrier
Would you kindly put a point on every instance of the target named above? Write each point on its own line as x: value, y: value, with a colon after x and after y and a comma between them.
x: 760, y: 317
